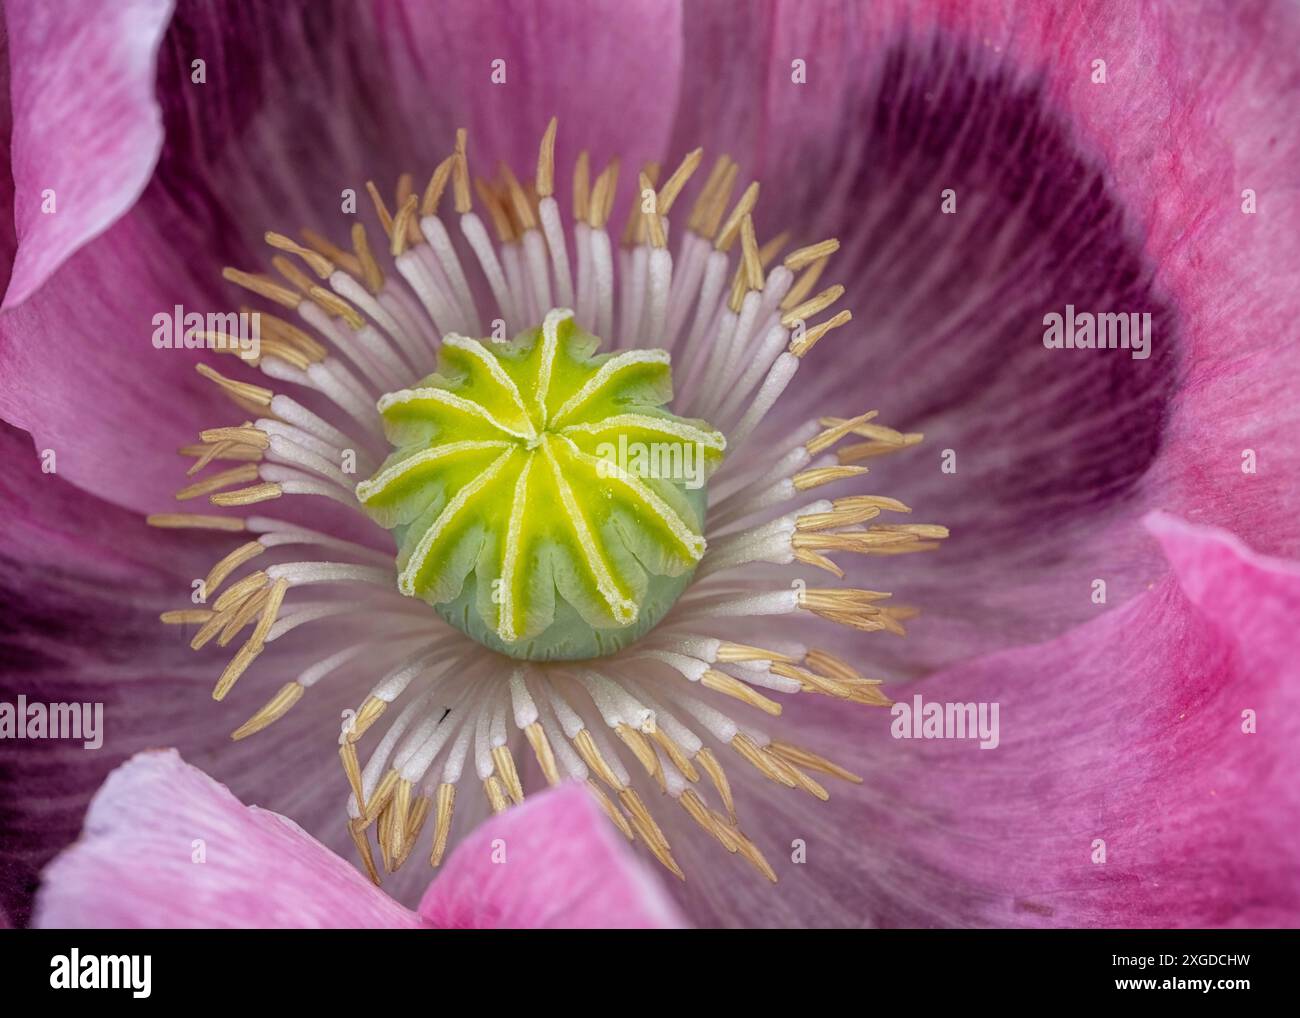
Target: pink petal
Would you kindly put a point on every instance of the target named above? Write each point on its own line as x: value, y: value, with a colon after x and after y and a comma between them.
x: 86, y: 126
x: 555, y: 861
x: 135, y: 863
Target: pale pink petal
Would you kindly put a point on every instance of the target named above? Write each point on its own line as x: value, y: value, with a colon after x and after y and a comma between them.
x: 166, y: 846
x: 555, y: 861
x: 85, y: 123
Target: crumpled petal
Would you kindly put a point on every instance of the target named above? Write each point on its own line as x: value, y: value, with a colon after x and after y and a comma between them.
x: 165, y: 846
x: 555, y: 861
x: 86, y: 125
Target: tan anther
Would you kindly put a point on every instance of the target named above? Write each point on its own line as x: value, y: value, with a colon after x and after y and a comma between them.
x: 602, y: 196
x: 460, y: 173
x: 858, y: 542
x: 335, y: 305
x: 592, y: 757
x: 710, y: 765
x: 827, y: 663
x: 807, y: 758
x: 833, y: 430
x: 186, y: 617
x: 294, y: 275
x: 716, y: 207
x: 236, y: 593
x: 224, y: 479
x: 496, y: 795
x: 804, y: 284
x: 270, y: 611
x: 242, y: 616
x: 352, y: 768
x: 194, y: 521
x: 650, y: 831
x: 805, y: 256
x: 367, y: 714
x: 815, y: 477
x: 672, y: 188
x: 520, y: 206
x: 247, y: 496
x: 864, y: 429
x: 925, y: 531
x: 845, y: 512
x: 341, y: 257
x: 405, y: 190
x: 236, y: 668
x: 246, y: 435
x: 217, y: 451
x: 642, y: 750
x: 255, y: 394
x: 496, y: 210
x: 611, y: 811
x: 278, y: 330
x: 250, y: 650
x: 803, y: 344
x: 382, y: 794
x: 751, y: 258
x: 582, y: 187
x: 720, y: 682
x: 753, y: 856
x: 704, y: 200
x: 771, y: 248
x: 731, y: 653
x: 276, y: 708
x: 263, y: 286
x: 731, y: 228
x: 818, y: 561
x: 437, y: 186
x: 536, y: 736
x: 866, y: 450
x: 384, y: 834
x: 357, y: 829
x: 675, y: 753
x: 444, y: 804
x: 371, y: 274
x: 812, y: 307
x: 701, y: 814
x: 804, y: 781
x: 316, y: 261
x: 505, y: 764
x: 651, y: 225
x: 546, y: 161
x: 209, y: 630
x: 400, y: 811
x: 770, y: 767
x: 414, y: 825
x: 402, y: 224
x: 221, y: 451
x: 381, y: 209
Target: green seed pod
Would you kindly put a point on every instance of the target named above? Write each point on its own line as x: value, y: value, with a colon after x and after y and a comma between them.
x: 528, y: 492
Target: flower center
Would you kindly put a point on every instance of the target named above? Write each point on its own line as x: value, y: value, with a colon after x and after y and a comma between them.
x: 525, y: 485
x: 543, y: 501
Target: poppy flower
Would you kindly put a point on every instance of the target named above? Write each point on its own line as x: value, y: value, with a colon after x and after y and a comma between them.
x: 493, y: 259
